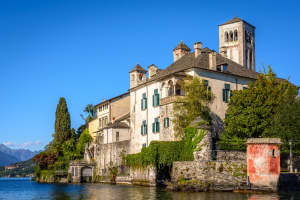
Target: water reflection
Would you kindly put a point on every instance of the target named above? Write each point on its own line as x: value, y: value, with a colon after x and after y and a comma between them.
x: 26, y: 190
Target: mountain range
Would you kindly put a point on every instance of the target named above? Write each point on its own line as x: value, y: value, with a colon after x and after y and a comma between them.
x: 9, y: 156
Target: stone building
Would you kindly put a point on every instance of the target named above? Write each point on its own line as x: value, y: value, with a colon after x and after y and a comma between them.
x: 129, y: 122
x: 107, y: 112
x: 152, y: 97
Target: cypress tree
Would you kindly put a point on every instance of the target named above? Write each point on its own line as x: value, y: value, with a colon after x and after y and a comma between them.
x: 62, y: 123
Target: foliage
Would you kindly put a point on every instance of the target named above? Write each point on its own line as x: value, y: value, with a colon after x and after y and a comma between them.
x: 45, y: 159
x: 62, y: 124
x: 162, y: 154
x: 91, y: 111
x: 192, y: 105
x: 24, y: 168
x: 252, y: 112
x: 84, y: 139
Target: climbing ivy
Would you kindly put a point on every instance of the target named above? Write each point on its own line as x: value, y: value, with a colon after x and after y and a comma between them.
x: 163, y: 153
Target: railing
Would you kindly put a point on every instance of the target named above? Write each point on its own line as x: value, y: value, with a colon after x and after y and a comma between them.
x: 61, y: 173
x: 169, y: 99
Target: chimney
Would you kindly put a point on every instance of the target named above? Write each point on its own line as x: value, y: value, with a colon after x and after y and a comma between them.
x: 152, y: 70
x: 223, y: 51
x: 197, y: 48
x: 181, y: 50
x: 212, y: 60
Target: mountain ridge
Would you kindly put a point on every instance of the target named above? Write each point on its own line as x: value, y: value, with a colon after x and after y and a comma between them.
x: 9, y: 156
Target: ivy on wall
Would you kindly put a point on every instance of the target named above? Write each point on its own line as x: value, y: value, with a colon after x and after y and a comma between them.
x: 163, y: 153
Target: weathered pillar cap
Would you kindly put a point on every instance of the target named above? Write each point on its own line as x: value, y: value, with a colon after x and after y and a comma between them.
x: 264, y: 141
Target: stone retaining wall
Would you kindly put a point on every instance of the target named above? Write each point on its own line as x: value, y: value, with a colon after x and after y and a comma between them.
x: 209, y: 175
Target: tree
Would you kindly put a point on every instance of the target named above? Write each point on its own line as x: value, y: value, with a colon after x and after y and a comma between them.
x: 194, y: 104
x: 84, y: 139
x: 62, y: 123
x: 91, y: 112
x: 251, y: 112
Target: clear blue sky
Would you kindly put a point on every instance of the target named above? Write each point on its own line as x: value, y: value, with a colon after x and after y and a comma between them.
x: 83, y: 51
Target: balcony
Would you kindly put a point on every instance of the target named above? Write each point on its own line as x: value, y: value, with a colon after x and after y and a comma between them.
x: 169, y: 99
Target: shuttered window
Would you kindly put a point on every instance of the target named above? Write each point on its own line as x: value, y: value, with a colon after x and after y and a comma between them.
x: 155, y: 126
x: 144, y: 128
x: 144, y: 102
x: 226, y: 93
x: 155, y: 98
x: 166, y: 122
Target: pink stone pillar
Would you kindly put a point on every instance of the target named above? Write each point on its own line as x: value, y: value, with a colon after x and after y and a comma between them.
x: 263, y: 162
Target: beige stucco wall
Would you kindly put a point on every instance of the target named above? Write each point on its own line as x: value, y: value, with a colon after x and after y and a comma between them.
x: 120, y: 107
x: 93, y: 127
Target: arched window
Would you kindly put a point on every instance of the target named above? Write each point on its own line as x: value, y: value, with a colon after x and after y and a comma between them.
x: 235, y: 35
x: 226, y: 36
x: 178, y: 89
x: 231, y: 36
x: 170, y: 88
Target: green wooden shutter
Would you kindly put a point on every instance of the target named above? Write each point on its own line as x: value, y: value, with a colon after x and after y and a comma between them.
x: 146, y: 129
x: 164, y: 122
x: 153, y: 97
x: 146, y: 103
x: 142, y: 108
x: 142, y: 131
x: 157, y: 101
x: 153, y: 127
x: 168, y: 122
x: 224, y: 98
x: 157, y: 127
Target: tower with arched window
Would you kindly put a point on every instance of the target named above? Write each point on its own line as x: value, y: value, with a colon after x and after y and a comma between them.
x: 237, y: 42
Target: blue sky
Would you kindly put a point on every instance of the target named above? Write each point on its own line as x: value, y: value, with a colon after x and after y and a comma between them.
x: 83, y: 51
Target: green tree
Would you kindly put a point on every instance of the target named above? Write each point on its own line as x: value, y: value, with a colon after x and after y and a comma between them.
x: 251, y: 112
x: 194, y: 104
x: 84, y: 139
x: 62, y: 123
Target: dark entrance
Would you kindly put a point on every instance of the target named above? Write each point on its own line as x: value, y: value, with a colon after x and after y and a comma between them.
x: 86, y: 175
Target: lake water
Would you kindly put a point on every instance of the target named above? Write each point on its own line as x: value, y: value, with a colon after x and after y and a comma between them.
x: 15, y: 189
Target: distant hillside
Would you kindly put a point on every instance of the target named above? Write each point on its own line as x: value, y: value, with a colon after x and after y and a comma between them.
x: 22, y: 169
x: 6, y: 159
x: 9, y: 156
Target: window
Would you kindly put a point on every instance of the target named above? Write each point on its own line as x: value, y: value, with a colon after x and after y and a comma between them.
x: 219, y: 68
x: 140, y: 76
x: 224, y: 67
x: 178, y: 89
x: 273, y: 153
x: 245, y: 88
x: 250, y: 59
x: 166, y: 122
x: 144, y: 102
x: 235, y: 35
x: 117, y: 136
x: 155, y: 98
x: 144, y: 145
x: 73, y: 171
x: 132, y: 77
x: 226, y: 92
x: 226, y: 36
x: 155, y: 126
x: 100, y: 122
x: 231, y: 36
x: 144, y: 128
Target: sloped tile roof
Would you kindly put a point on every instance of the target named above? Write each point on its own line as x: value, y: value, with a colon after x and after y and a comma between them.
x: 138, y: 68
x: 234, y: 20
x: 183, y: 46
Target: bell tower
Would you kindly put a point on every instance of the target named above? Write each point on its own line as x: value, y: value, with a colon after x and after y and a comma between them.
x: 137, y: 76
x: 237, y: 42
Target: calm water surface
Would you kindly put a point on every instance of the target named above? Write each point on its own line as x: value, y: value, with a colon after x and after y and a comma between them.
x: 24, y: 189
